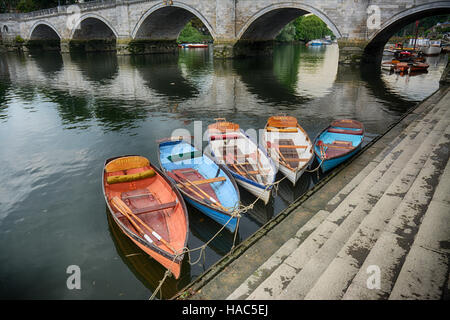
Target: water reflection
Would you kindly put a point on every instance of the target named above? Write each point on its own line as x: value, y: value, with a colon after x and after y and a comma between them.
x: 121, y: 105
x: 146, y: 269
x: 162, y: 74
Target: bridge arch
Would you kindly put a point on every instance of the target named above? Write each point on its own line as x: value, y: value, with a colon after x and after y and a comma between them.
x: 93, y: 26
x: 163, y: 22
x: 381, y: 36
x: 269, y: 21
x: 43, y: 30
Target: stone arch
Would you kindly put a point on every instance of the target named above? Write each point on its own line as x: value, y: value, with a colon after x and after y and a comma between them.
x: 43, y: 30
x: 93, y: 26
x: 269, y: 21
x: 175, y: 16
x: 378, y: 39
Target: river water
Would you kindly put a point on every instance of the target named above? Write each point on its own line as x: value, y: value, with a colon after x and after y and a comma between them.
x: 61, y: 116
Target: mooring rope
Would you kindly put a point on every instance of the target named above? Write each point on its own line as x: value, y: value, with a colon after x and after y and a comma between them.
x: 236, y: 213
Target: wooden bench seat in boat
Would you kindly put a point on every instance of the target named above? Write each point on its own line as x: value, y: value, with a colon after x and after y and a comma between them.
x: 203, y: 181
x: 344, y: 131
x: 143, y: 201
x: 225, y: 137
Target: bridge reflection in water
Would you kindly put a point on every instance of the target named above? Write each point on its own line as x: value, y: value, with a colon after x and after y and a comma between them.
x: 63, y: 115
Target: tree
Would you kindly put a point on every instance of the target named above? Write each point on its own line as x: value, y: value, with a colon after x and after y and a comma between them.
x: 304, y: 28
x: 311, y: 27
x: 287, y: 34
x: 190, y: 34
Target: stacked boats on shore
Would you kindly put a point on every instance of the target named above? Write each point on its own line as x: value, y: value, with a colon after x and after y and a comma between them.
x: 148, y: 204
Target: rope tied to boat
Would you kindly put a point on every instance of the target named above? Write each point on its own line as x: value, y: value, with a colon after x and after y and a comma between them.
x: 240, y: 209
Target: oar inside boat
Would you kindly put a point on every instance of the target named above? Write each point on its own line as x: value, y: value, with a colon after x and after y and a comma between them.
x: 205, y: 184
x: 148, y: 208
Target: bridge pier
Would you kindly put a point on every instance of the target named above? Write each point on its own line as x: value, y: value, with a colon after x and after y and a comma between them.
x: 229, y: 49
x: 351, y: 51
x: 146, y: 46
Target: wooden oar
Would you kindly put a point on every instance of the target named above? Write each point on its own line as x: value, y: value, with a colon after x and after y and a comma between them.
x: 125, y: 211
x: 200, y: 196
x: 284, y: 159
x: 217, y: 203
x: 123, y: 208
x: 178, y: 180
x: 245, y: 173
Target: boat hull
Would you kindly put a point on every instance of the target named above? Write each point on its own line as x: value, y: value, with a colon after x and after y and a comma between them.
x: 292, y: 176
x: 229, y: 222
x: 246, y: 144
x: 431, y: 50
x: 230, y: 190
x: 287, y: 129
x: 173, y: 265
x: 257, y: 190
x: 173, y: 260
x: 329, y: 164
x: 338, y: 143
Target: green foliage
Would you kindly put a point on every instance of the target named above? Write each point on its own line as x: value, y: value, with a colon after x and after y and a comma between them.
x: 32, y: 5
x: 190, y: 34
x: 311, y: 27
x: 424, y: 25
x: 19, y: 39
x: 26, y: 6
x: 287, y: 34
x: 305, y: 28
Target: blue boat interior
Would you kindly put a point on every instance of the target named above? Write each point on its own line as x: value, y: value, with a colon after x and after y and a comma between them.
x: 330, y: 137
x: 182, y: 155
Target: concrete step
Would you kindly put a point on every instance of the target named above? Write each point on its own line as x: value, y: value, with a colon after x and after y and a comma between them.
x: 388, y: 167
x: 395, y: 242
x: 333, y: 283
x: 347, y: 217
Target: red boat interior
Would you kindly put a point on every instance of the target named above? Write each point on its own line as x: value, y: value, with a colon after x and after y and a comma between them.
x: 150, y: 199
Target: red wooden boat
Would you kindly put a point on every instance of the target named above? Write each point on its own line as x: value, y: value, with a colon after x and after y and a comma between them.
x: 418, y: 66
x: 401, y: 67
x: 148, y: 209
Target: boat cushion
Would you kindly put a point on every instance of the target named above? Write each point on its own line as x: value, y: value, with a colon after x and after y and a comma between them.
x: 126, y: 163
x: 130, y: 177
x: 282, y: 122
x: 184, y: 156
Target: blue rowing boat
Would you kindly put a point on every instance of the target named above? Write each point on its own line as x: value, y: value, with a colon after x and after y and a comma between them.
x: 338, y: 142
x: 205, y: 185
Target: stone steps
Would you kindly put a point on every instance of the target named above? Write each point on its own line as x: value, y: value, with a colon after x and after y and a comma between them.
x: 351, y: 257
x: 337, y: 240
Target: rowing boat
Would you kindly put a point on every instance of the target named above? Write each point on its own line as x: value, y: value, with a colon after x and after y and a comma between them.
x: 207, y: 186
x: 338, y: 142
x: 288, y: 145
x: 249, y: 164
x: 148, y: 208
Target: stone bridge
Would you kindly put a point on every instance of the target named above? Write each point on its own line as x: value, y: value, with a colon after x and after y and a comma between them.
x: 238, y: 27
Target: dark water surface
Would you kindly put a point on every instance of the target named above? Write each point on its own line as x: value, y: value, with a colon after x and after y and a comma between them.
x: 61, y: 116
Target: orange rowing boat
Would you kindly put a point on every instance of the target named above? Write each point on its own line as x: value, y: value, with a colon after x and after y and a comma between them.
x: 148, y: 209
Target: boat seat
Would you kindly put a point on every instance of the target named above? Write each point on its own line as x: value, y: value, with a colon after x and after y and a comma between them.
x: 154, y: 208
x: 225, y: 136
x: 203, y: 181
x: 343, y: 131
x: 143, y: 201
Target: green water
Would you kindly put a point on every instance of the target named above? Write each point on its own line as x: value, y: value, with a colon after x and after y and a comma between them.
x: 61, y: 116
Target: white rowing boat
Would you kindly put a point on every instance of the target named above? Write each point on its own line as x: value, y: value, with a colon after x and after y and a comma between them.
x: 288, y: 145
x: 250, y: 165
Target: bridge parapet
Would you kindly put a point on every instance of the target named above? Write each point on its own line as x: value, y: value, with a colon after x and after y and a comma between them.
x: 238, y: 27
